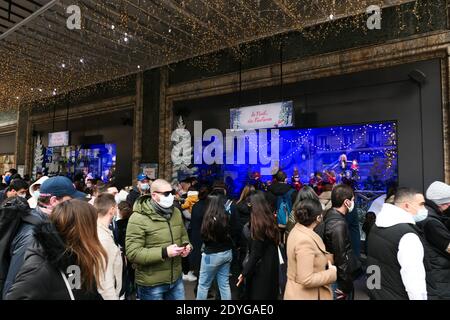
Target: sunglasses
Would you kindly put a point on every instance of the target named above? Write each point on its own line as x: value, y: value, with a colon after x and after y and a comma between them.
x: 167, y: 193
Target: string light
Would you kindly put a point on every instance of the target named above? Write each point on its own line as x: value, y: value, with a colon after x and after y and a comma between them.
x: 228, y: 24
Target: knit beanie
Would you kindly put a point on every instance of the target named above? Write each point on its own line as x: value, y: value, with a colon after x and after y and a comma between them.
x: 439, y: 193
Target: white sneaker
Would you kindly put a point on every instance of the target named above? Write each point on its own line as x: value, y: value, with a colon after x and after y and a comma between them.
x: 189, y: 277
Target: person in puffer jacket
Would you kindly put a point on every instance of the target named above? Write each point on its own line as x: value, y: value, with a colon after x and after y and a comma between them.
x: 156, y: 240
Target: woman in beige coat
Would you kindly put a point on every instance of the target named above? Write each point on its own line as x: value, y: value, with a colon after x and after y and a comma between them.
x: 310, y: 270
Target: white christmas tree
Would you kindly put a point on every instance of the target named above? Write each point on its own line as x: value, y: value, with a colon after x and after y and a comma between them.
x: 181, y: 152
x: 38, y: 157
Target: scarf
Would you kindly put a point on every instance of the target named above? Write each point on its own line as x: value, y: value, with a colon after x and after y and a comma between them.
x: 166, y: 213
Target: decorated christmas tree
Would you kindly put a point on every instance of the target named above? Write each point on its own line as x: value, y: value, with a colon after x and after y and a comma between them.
x: 38, y: 157
x: 181, y: 153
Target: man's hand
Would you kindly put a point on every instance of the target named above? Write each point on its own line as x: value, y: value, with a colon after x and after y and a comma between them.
x: 187, y: 250
x: 340, y: 295
x: 240, y: 280
x: 174, y: 251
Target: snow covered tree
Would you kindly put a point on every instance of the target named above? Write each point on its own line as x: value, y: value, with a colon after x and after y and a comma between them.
x: 181, y: 152
x: 38, y: 157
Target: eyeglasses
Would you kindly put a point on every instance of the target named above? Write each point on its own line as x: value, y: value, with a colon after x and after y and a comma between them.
x: 166, y: 193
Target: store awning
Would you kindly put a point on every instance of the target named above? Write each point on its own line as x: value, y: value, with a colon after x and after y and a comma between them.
x: 40, y: 56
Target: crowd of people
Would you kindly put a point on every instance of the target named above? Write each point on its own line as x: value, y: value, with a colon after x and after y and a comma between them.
x: 84, y: 239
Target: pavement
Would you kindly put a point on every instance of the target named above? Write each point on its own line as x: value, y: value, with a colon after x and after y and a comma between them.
x: 360, y: 289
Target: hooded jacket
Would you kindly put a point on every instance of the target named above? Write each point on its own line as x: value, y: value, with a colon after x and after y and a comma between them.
x: 19, y: 245
x: 148, y: 236
x: 278, y: 189
x: 437, y: 238
x: 407, y: 260
x: 192, y: 198
x: 40, y: 277
x: 32, y: 202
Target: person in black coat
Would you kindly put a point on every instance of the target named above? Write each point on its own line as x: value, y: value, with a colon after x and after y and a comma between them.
x: 198, y: 211
x: 261, y: 268
x: 121, y: 225
x: 279, y: 188
x: 55, y: 248
x: 243, y: 208
x: 437, y: 241
x: 334, y: 231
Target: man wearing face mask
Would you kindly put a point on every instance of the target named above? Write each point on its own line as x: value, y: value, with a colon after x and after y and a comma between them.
x: 156, y: 240
x: 35, y: 192
x: 335, y: 233
x: 437, y: 236
x: 142, y: 188
x: 395, y: 246
x: 52, y: 192
x: 17, y: 188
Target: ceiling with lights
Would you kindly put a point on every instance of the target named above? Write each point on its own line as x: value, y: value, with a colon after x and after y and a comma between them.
x: 41, y: 57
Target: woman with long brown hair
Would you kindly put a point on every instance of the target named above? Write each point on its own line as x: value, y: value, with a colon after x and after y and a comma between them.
x: 261, y: 270
x: 68, y: 244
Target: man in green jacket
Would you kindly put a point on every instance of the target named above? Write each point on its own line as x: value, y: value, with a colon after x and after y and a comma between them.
x: 155, y: 242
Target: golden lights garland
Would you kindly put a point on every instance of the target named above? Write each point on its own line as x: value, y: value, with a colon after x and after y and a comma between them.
x: 119, y: 37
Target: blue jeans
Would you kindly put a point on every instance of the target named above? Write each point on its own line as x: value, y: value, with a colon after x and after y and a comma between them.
x: 216, y: 264
x: 173, y: 291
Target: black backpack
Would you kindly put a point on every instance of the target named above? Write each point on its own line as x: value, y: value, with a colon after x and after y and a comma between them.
x: 12, y: 212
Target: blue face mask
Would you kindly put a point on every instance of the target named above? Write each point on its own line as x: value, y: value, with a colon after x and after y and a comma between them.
x: 145, y: 186
x: 421, y: 215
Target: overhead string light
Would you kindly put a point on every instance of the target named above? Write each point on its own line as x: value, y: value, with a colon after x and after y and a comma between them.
x: 150, y: 28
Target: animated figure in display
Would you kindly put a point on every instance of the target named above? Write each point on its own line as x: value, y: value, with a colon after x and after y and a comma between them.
x: 295, y: 179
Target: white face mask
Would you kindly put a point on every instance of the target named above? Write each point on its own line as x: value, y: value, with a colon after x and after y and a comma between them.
x: 350, y: 209
x: 117, y: 198
x: 36, y: 194
x: 166, y: 202
x: 145, y: 186
x: 421, y: 215
x: 23, y: 196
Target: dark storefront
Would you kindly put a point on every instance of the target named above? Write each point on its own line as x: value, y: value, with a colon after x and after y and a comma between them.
x: 377, y: 96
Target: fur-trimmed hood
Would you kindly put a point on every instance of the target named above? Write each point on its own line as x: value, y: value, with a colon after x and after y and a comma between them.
x: 52, y: 246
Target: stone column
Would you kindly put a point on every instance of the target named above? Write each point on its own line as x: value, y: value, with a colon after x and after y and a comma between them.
x: 138, y: 113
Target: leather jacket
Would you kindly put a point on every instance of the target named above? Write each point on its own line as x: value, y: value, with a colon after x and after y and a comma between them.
x: 335, y: 235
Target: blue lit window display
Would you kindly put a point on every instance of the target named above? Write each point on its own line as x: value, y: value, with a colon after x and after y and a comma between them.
x: 364, y: 156
x: 99, y: 160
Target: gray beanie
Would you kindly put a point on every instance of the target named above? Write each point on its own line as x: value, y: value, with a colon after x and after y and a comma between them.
x: 439, y: 193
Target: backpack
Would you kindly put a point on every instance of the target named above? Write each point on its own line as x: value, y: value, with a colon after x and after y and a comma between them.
x: 12, y: 212
x: 284, y: 207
